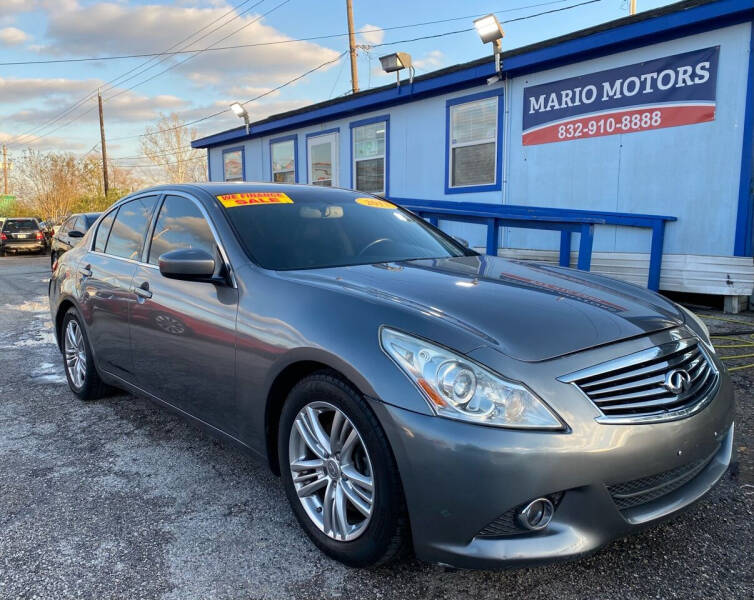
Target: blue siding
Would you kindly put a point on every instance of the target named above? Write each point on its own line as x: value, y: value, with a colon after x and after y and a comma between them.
x: 692, y: 172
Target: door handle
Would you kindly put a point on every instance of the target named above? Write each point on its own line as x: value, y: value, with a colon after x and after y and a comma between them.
x: 143, y: 290
x: 86, y: 271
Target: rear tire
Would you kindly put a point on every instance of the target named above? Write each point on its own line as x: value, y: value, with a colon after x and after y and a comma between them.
x: 78, y: 362
x: 358, y: 540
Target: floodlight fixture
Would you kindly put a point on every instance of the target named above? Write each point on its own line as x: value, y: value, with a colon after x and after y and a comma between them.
x: 490, y: 30
x: 239, y: 110
x: 395, y: 63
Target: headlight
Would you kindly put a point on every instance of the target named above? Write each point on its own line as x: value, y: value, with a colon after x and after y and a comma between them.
x: 697, y: 326
x: 457, y: 388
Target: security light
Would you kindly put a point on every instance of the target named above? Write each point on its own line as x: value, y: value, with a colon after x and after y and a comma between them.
x: 396, y: 62
x: 490, y: 30
x: 241, y: 112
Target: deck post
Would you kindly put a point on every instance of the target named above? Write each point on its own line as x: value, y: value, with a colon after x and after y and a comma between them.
x: 585, y: 246
x: 565, y: 248
x: 493, y: 236
x: 655, y: 255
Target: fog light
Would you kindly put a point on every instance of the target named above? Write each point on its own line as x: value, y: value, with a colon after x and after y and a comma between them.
x: 537, y: 514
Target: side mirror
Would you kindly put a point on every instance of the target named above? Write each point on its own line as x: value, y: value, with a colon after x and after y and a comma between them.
x: 188, y: 264
x: 75, y: 234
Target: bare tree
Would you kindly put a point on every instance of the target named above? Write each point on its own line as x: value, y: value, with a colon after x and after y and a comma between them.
x: 168, y: 146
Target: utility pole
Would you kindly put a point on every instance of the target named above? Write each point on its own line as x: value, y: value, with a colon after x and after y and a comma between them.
x: 632, y: 8
x: 352, y: 48
x: 5, y: 170
x: 104, y: 147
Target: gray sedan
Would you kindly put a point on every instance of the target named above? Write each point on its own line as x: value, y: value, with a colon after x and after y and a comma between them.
x: 411, y: 393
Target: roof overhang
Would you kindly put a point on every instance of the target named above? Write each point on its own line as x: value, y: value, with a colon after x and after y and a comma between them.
x: 669, y: 22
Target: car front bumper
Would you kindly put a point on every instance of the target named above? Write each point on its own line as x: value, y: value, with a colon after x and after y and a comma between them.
x: 459, y: 478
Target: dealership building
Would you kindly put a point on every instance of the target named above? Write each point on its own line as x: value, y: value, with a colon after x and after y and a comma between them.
x: 625, y: 148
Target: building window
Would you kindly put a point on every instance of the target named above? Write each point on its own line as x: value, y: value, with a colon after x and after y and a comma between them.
x: 322, y: 153
x: 283, y: 160
x: 473, y: 146
x: 233, y: 165
x: 369, y: 151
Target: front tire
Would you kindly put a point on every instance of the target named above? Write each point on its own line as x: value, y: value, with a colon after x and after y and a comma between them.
x: 78, y: 361
x: 339, y: 473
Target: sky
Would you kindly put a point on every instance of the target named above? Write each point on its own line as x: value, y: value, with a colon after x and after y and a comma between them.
x: 36, y: 100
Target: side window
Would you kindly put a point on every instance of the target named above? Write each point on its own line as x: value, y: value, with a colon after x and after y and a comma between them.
x: 66, y: 226
x: 103, y: 231
x: 180, y: 224
x: 79, y: 224
x: 130, y: 227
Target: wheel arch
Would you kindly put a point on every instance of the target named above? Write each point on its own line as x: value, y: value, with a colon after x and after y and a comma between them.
x: 63, y: 308
x: 287, y: 376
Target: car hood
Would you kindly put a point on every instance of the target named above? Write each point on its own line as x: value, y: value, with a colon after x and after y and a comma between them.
x: 529, y: 311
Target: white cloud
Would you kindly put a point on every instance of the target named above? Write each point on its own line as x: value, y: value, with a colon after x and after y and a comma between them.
x: 371, y: 34
x: 433, y: 59
x: 126, y: 28
x: 12, y: 36
x: 43, y: 143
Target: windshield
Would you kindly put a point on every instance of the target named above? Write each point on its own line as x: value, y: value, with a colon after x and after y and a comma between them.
x: 20, y: 225
x: 306, y: 228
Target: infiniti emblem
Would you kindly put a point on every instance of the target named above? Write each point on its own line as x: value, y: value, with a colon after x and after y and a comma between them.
x: 677, y: 381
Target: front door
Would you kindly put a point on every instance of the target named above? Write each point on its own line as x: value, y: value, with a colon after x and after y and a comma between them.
x: 183, y: 333
x: 105, y: 274
x: 322, y: 152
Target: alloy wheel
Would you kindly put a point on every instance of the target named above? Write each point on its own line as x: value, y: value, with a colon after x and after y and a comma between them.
x: 331, y: 470
x: 75, y: 353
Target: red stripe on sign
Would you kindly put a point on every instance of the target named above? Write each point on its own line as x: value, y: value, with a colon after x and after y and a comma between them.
x: 624, y: 121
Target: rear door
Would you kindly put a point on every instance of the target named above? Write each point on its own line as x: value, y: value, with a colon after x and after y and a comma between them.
x: 183, y: 333
x: 106, y: 274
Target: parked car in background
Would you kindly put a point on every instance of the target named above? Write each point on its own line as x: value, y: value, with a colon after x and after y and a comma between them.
x: 408, y: 390
x: 70, y: 233
x: 21, y: 234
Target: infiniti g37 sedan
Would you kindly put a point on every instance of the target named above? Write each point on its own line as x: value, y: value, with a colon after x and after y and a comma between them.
x: 410, y: 392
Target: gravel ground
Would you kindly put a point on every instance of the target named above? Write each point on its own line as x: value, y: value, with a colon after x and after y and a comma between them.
x: 119, y: 499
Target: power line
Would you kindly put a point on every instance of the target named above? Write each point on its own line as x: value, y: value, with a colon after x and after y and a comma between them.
x: 188, y: 58
x: 443, y: 34
x: 207, y: 117
x: 273, y: 43
x: 262, y: 95
x: 110, y: 84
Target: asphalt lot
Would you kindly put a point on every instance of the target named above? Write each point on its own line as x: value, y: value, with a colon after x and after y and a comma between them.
x: 120, y: 499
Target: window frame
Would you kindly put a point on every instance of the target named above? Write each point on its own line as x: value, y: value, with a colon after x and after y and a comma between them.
x: 243, y: 162
x: 280, y: 140
x: 386, y: 157
x: 483, y: 187
x: 158, y: 202
x: 162, y: 194
x: 153, y: 225
x: 336, y: 167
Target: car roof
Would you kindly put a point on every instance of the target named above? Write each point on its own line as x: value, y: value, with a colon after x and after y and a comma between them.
x: 215, y: 188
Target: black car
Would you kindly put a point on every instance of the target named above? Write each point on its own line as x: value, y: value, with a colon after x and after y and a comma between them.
x: 21, y: 234
x: 70, y: 234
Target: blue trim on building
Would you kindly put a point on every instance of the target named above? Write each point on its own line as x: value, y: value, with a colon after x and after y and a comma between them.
x: 209, y: 166
x: 744, y: 224
x: 360, y: 123
x: 243, y: 160
x: 491, y: 187
x: 306, y: 148
x: 287, y: 138
x: 611, y: 39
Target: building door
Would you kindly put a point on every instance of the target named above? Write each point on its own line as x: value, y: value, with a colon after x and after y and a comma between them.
x: 322, y: 152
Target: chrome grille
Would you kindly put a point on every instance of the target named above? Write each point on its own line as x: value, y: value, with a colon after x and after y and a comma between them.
x: 638, y: 387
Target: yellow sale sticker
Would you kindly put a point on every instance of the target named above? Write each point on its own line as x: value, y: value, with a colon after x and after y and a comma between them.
x: 375, y: 203
x: 249, y: 198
